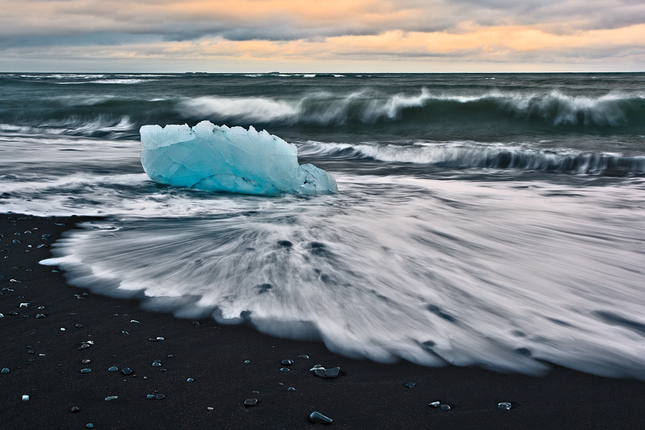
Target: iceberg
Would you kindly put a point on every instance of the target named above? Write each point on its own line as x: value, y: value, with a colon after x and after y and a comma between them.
x: 228, y: 159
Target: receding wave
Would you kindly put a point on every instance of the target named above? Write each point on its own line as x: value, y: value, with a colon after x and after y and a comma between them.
x: 479, y: 155
x: 430, y: 271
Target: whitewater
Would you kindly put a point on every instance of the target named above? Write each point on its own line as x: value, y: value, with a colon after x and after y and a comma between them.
x: 488, y: 220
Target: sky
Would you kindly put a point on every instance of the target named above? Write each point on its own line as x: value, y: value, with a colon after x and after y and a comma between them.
x: 322, y: 35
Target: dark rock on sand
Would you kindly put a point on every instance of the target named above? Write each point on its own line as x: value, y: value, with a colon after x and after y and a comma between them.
x: 318, y: 418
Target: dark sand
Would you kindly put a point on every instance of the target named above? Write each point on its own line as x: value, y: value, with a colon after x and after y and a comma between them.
x: 45, y: 363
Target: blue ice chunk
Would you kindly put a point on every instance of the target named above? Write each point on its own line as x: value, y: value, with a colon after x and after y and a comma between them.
x: 228, y: 159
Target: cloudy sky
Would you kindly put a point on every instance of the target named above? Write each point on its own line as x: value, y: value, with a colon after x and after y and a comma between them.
x: 322, y: 35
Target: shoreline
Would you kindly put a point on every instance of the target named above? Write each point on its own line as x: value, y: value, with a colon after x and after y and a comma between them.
x: 44, y: 363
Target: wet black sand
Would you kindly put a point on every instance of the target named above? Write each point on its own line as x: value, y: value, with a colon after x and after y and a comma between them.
x: 45, y: 363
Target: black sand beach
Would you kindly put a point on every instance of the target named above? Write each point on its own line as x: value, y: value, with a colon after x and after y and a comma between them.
x: 42, y: 346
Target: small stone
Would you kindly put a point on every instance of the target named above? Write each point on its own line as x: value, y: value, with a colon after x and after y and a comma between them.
x: 330, y: 373
x: 150, y: 396
x: 247, y: 361
x: 195, y: 323
x: 75, y: 409
x: 110, y: 398
x: 113, y: 369
x: 286, y: 362
x: 170, y: 356
x: 444, y: 407
x: 318, y: 418
x: 285, y: 369
x: 210, y: 408
x: 410, y: 384
x: 134, y: 321
x: 505, y: 405
x: 190, y: 380
x: 256, y: 391
x: 5, y: 370
x: 89, y: 426
x: 25, y: 397
x: 434, y: 404
x: 159, y: 338
x: 127, y: 371
x: 305, y: 356
x: 160, y: 397
x: 291, y: 389
x: 38, y: 316
x: 24, y: 305
x: 86, y: 370
x: 156, y: 363
x: 79, y: 326
x: 250, y: 402
x: 86, y: 361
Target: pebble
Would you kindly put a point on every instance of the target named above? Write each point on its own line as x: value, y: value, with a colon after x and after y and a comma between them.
x: 410, y: 384
x: 113, y: 369
x: 86, y: 361
x: 434, y: 404
x: 505, y: 405
x: 89, y: 426
x: 156, y: 363
x: 127, y: 371
x: 321, y: 372
x: 444, y: 407
x: 5, y: 370
x: 25, y: 397
x: 110, y: 398
x: 160, y: 397
x: 75, y: 409
x: 190, y: 380
x: 318, y: 418
x: 79, y: 326
x: 305, y: 356
x: 285, y: 369
x: 286, y: 362
x: 247, y: 361
x: 150, y: 396
x: 250, y: 402
x: 291, y: 389
x: 86, y: 370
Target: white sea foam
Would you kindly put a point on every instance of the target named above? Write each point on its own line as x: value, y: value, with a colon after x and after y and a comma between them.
x: 469, y: 273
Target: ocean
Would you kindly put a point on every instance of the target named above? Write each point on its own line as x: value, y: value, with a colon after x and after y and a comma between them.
x: 494, y: 220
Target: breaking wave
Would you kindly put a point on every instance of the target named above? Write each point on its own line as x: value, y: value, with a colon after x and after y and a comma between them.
x: 480, y: 155
x: 369, y: 107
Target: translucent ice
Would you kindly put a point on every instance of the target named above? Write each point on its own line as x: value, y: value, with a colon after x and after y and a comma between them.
x: 236, y: 160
